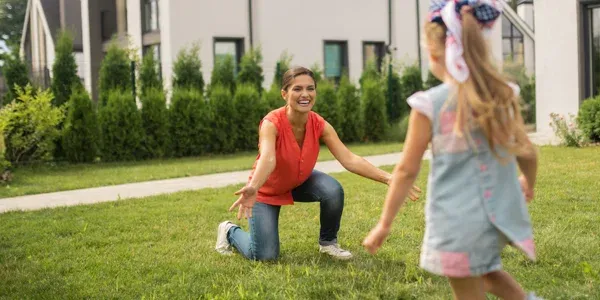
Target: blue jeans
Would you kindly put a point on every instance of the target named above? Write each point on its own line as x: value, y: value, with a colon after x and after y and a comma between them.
x: 262, y: 242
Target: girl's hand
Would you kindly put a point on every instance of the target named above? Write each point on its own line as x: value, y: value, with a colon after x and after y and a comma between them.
x: 527, y: 190
x: 375, y: 238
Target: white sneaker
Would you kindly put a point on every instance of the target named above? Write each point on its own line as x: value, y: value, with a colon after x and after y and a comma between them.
x: 335, y: 251
x: 223, y: 245
x: 532, y: 296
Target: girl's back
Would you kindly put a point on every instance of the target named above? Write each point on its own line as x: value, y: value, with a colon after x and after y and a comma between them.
x: 475, y: 204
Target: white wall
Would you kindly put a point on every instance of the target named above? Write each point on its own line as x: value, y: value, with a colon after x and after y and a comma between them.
x: 195, y: 21
x: 557, y: 63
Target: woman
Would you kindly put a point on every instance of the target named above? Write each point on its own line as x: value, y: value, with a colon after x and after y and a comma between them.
x: 283, y: 174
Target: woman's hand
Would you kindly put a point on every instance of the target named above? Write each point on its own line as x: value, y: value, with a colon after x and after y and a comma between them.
x: 414, y: 192
x: 245, y: 201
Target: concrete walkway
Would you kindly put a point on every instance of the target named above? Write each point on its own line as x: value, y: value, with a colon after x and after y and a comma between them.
x: 151, y: 188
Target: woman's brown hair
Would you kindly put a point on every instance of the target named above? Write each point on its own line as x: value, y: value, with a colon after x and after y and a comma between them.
x: 288, y: 77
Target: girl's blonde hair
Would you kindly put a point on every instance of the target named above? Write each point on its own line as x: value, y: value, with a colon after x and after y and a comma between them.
x: 484, y: 100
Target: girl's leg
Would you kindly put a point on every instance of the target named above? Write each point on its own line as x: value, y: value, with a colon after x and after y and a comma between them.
x: 469, y: 288
x: 503, y: 285
x: 262, y: 242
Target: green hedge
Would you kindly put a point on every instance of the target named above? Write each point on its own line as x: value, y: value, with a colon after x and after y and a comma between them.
x: 121, y: 127
x: 189, y: 123
x: 81, y: 135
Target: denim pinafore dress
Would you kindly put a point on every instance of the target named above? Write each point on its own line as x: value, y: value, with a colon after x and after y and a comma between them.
x: 475, y: 206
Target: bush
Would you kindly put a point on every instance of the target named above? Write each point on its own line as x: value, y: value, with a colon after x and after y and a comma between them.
x: 528, y: 98
x: 351, y: 127
x: 395, y: 104
x: 15, y: 72
x: 431, y: 81
x: 283, y: 64
x: 375, y: 115
x: 222, y: 105
x: 155, y: 120
x: 272, y: 99
x: 370, y: 72
x: 251, y: 71
x: 589, y: 119
x: 115, y: 73
x: 398, y: 130
x: 327, y: 105
x: 569, y: 134
x: 411, y: 83
x: 223, y: 74
x: 247, y: 106
x: 149, y: 77
x: 187, y: 71
x: 317, y: 73
x: 189, y: 123
x: 81, y: 135
x: 64, y: 70
x: 121, y: 127
x: 29, y: 125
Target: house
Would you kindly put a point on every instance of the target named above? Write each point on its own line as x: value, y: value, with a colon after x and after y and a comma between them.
x: 337, y: 35
x: 567, y: 58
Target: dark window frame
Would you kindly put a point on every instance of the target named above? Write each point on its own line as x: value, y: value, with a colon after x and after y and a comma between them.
x: 512, y: 38
x: 586, y: 59
x: 145, y: 19
x: 159, y: 56
x: 239, y: 49
x: 381, y: 49
x: 345, y: 62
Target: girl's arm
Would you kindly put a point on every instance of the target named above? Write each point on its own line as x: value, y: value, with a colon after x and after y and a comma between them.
x: 528, y: 165
x: 405, y: 174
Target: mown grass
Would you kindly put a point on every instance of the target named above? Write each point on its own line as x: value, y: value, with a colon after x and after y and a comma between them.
x: 162, y: 247
x: 51, y: 178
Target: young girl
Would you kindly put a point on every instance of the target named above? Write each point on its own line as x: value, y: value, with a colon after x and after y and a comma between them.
x: 476, y: 203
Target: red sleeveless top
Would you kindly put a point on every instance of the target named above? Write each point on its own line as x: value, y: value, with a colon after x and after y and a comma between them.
x: 293, y: 165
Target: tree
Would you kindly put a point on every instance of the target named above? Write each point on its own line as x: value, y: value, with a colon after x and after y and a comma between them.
x: 29, y: 125
x: 64, y: 70
x: 187, y: 72
x: 222, y: 74
x: 351, y: 127
x: 189, y: 123
x: 155, y: 120
x: 251, y: 71
x: 12, y: 18
x: 115, y: 72
x: 222, y: 106
x: 375, y: 116
x: 121, y: 125
x: 15, y: 72
x: 247, y: 102
x: 411, y: 82
x: 81, y: 134
x: 283, y: 64
x: 327, y: 104
x: 149, y: 77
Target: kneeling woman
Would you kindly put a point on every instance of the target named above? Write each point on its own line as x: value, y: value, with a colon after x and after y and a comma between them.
x: 283, y: 174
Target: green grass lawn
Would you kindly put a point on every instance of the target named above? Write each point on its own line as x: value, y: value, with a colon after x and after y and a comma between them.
x: 162, y: 247
x: 47, y: 178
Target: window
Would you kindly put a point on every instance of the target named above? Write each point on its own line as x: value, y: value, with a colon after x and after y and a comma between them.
x: 591, y: 40
x: 512, y: 42
x: 156, y: 52
x: 373, y: 51
x: 336, y: 59
x: 150, y: 15
x: 107, y: 26
x: 229, y: 46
